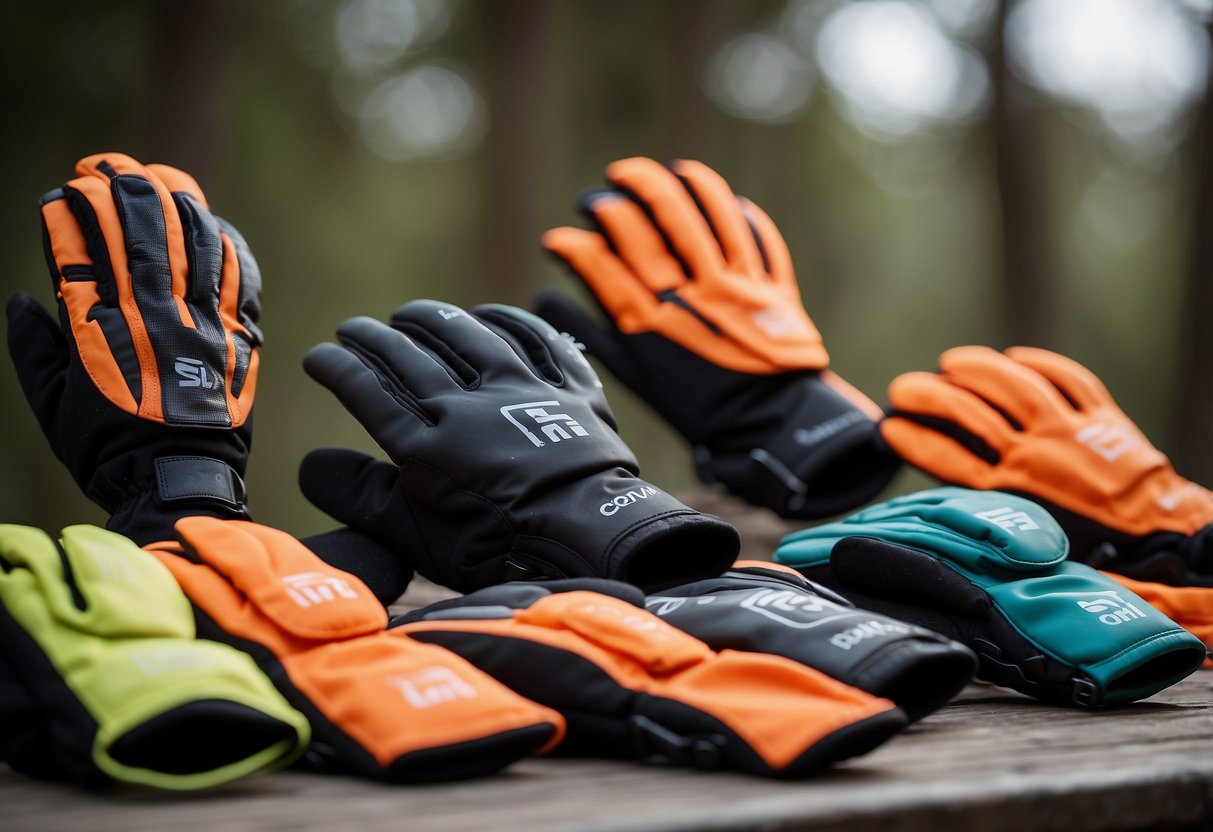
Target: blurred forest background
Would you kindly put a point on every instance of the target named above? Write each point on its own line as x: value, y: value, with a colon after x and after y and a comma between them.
x: 945, y: 171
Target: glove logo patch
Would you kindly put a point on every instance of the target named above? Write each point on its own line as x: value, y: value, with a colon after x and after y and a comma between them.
x: 162, y: 660
x: 828, y: 428
x: 431, y: 686
x: 557, y: 427
x: 1109, y: 441
x: 1009, y: 519
x: 784, y: 606
x: 623, y: 500
x: 193, y: 373
x: 781, y: 322
x: 1111, y: 608
x: 308, y: 589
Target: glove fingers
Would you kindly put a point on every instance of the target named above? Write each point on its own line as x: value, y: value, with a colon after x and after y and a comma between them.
x: 776, y: 258
x: 942, y: 455
x: 205, y: 255
x: 626, y: 301
x: 635, y: 241
x: 1017, y: 391
x: 364, y: 392
x: 467, y: 348
x: 931, y: 400
x: 40, y: 356
x: 568, y: 317
x: 551, y: 356
x: 410, y: 366
x: 131, y: 203
x: 178, y: 181
x: 674, y: 212
x: 1076, y: 382
x: 719, y: 204
x: 354, y: 489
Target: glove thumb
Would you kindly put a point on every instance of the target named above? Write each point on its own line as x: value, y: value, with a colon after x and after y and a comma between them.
x: 40, y: 356
x: 356, y: 490
x: 566, y: 316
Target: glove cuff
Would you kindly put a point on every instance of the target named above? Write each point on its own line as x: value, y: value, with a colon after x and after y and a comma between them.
x: 619, y: 527
x: 184, y: 486
x: 825, y: 458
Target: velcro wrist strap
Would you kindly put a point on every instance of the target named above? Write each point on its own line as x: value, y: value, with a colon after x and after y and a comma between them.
x: 182, y: 478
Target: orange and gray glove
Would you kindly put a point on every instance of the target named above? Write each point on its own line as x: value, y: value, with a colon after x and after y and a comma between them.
x: 630, y: 685
x: 380, y: 706
x: 705, y: 324
x: 1040, y: 425
x: 145, y: 383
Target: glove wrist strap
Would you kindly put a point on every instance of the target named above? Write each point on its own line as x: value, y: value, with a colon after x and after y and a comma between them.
x: 193, y: 478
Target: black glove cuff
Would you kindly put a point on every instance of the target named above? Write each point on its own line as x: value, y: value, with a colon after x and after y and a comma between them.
x: 193, y: 478
x: 185, y: 486
x: 827, y: 457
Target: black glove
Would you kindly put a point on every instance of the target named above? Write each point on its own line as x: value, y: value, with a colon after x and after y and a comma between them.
x: 632, y: 686
x: 769, y: 608
x: 509, y: 464
x: 145, y: 385
x: 706, y: 325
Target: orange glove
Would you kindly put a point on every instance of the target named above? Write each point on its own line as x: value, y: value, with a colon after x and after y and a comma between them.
x: 1191, y: 607
x: 631, y: 685
x: 1043, y: 426
x: 380, y: 706
x: 706, y: 325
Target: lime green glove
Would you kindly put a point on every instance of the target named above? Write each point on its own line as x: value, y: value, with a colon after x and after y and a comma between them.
x: 989, y: 570
x: 101, y: 677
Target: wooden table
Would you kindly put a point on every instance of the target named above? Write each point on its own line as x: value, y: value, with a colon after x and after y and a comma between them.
x: 991, y: 760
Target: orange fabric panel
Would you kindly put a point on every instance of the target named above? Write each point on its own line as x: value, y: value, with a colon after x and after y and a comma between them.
x: 290, y: 585
x: 79, y: 297
x: 407, y: 696
x: 97, y: 192
x: 1191, y: 607
x: 778, y: 706
x: 620, y: 628
x: 229, y: 313
x: 174, y: 233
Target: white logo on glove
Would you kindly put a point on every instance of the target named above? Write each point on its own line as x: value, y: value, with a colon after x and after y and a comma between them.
x: 1009, y: 519
x: 430, y: 686
x: 193, y: 373
x: 310, y: 588
x: 557, y: 427
x: 1111, y: 608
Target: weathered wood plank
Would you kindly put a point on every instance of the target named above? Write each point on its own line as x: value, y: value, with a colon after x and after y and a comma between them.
x: 989, y: 762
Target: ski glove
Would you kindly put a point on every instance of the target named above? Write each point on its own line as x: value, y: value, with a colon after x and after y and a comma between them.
x: 507, y: 463
x: 706, y: 325
x: 989, y: 569
x: 769, y: 608
x: 380, y: 707
x: 101, y: 678
x: 144, y: 386
x: 1035, y: 423
x: 632, y: 686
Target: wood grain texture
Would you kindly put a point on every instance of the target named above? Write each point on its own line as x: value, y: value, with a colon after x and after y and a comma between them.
x: 988, y: 762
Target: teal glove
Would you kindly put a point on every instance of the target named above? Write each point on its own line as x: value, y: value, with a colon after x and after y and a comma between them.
x: 101, y: 677
x: 990, y: 570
